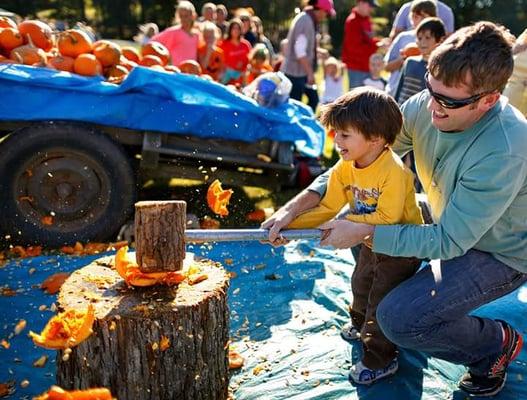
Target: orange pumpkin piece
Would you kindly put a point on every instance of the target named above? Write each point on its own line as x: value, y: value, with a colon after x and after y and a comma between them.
x: 172, y: 68
x: 73, y: 43
x: 87, y: 65
x: 108, y: 53
x: 150, y: 60
x: 10, y: 38
x: 40, y: 33
x: 156, y: 49
x: 129, y: 65
x: 117, y: 71
x: 6, y: 22
x: 209, y: 223
x: 190, y: 67
x: 28, y: 55
x: 235, y: 360
x: 66, y: 329
x: 57, y: 393
x: 53, y: 283
x: 218, y: 199
x: 131, y: 53
x: 62, y: 63
x: 256, y: 215
x: 410, y: 50
x: 130, y: 272
x: 5, y: 60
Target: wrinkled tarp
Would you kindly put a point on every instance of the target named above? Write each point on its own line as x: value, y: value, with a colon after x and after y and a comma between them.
x: 155, y: 101
x: 286, y: 306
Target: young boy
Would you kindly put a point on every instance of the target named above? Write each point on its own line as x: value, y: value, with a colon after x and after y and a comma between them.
x: 396, y: 54
x: 430, y: 33
x: 376, y: 66
x: 379, y: 189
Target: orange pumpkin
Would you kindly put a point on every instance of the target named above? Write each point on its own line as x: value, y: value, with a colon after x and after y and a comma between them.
x: 5, y: 60
x: 62, y: 63
x: 28, y: 55
x: 218, y: 199
x: 410, y: 50
x: 156, y: 49
x: 190, y: 67
x: 117, y: 71
x: 131, y: 53
x: 53, y: 283
x: 150, y: 60
x: 73, y: 43
x: 10, y: 38
x: 172, y: 68
x: 87, y: 65
x: 108, y: 53
x: 57, y: 393
x: 130, y: 272
x: 6, y: 22
x: 66, y: 329
x: 129, y: 65
x: 40, y: 33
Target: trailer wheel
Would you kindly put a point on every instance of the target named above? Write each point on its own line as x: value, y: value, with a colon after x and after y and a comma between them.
x: 62, y: 183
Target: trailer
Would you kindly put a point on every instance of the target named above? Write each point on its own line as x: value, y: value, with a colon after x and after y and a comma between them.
x: 74, y: 150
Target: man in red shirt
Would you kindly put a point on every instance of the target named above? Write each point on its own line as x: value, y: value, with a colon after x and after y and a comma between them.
x: 358, y: 44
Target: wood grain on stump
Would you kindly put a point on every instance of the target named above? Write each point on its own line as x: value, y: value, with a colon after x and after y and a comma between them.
x: 160, y: 235
x: 149, y: 343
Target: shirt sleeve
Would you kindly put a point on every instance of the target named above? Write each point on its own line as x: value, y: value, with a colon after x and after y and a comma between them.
x: 482, y: 194
x: 301, y: 46
x: 320, y: 184
x: 404, y: 140
x: 401, y: 20
x: 333, y: 201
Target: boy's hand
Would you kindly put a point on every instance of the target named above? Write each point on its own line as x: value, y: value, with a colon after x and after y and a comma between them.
x: 343, y: 234
x: 275, y: 224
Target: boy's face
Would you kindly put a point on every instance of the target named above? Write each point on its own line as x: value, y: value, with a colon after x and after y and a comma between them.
x: 376, y: 66
x: 416, y: 18
x: 426, y: 42
x: 331, y: 70
x: 353, y: 146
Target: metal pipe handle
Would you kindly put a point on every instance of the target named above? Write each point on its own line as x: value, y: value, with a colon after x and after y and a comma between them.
x: 230, y: 235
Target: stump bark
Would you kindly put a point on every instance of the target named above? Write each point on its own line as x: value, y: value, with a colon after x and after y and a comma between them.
x: 149, y: 343
x: 159, y: 235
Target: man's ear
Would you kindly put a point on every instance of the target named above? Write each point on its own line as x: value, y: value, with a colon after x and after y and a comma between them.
x: 487, y: 102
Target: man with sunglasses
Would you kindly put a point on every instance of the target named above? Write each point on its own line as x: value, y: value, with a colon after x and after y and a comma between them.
x: 470, y: 149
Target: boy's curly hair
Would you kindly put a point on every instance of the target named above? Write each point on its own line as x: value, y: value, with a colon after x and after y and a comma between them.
x: 370, y: 111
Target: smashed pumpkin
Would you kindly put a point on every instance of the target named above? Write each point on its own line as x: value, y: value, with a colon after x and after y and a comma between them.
x: 57, y: 393
x: 66, y: 329
x: 130, y: 272
x: 218, y: 199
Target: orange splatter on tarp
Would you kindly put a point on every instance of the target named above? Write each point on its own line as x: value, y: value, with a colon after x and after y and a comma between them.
x: 24, y: 252
x: 57, y: 393
x: 47, y: 220
x: 218, y: 199
x: 66, y: 329
x: 52, y: 283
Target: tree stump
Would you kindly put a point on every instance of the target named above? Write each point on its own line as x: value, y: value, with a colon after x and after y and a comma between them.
x: 149, y: 343
x: 159, y: 235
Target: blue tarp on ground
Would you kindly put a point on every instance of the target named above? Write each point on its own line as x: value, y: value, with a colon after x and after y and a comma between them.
x: 286, y: 326
x: 155, y: 101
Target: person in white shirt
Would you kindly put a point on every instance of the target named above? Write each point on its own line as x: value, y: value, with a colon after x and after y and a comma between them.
x: 333, y: 80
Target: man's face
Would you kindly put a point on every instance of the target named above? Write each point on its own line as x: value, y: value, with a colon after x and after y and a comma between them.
x: 458, y: 119
x: 185, y: 17
x: 416, y: 18
x: 365, y: 8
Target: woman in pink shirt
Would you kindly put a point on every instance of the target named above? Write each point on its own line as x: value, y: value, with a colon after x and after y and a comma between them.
x: 236, y: 54
x: 182, y: 39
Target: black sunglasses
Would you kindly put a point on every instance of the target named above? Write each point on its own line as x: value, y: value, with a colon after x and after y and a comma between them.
x: 448, y: 102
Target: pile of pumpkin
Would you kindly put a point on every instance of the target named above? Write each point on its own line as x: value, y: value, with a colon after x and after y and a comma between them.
x: 33, y: 42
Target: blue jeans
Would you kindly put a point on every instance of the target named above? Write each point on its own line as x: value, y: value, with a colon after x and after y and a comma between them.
x: 432, y: 315
x: 356, y: 78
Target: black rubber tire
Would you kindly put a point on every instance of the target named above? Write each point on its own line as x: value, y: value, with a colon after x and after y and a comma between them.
x: 61, y: 183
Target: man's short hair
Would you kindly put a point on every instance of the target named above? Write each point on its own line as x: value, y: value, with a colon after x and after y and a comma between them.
x: 372, y: 112
x: 433, y: 25
x: 479, y: 56
x: 426, y: 7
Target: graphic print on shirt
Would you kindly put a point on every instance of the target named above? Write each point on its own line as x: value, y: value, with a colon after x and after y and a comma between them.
x: 364, y: 200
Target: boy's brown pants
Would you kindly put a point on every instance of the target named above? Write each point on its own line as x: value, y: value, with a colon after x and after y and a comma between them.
x: 374, y: 276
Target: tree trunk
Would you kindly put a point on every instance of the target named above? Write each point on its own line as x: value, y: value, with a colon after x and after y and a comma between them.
x: 159, y: 235
x: 149, y: 343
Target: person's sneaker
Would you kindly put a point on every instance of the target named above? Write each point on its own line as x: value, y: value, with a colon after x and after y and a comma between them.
x: 362, y: 375
x: 493, y: 381
x: 349, y: 333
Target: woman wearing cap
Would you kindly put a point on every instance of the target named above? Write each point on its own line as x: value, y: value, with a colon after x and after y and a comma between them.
x: 300, y: 60
x: 181, y: 40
